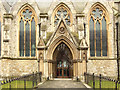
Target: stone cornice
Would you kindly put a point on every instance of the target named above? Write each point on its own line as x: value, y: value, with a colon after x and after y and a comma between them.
x: 80, y: 15
x: 8, y: 16
x: 20, y: 58
x: 41, y: 47
x: 101, y: 58
x: 43, y: 15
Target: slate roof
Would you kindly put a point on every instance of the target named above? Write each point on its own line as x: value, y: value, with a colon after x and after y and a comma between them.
x: 6, y: 5
x: 44, y: 5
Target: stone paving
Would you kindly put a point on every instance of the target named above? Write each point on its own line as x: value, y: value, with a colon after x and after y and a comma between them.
x: 62, y: 84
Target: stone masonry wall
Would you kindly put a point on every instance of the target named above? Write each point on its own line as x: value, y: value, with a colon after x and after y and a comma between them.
x: 18, y: 67
x: 104, y: 67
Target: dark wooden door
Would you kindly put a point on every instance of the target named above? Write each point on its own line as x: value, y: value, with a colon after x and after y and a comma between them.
x: 62, y: 69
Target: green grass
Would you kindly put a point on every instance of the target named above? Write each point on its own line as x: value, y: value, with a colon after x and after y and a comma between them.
x: 19, y: 84
x: 104, y: 84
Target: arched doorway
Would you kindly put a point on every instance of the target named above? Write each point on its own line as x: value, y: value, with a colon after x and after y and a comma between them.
x: 63, y: 65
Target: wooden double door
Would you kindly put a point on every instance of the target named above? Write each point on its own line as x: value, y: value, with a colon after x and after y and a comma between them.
x: 63, y: 69
x: 63, y: 56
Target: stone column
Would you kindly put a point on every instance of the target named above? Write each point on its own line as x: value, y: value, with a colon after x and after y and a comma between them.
x: 49, y: 69
x: 41, y: 66
x: 84, y: 67
x: 79, y: 69
x: 74, y: 70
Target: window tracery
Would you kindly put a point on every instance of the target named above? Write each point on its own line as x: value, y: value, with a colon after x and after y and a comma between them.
x: 98, y: 32
x: 27, y: 32
x: 63, y: 13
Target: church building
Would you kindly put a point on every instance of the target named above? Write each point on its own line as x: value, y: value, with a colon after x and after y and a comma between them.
x: 60, y: 38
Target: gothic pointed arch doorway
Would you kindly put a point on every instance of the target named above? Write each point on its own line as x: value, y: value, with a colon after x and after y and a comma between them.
x: 63, y: 61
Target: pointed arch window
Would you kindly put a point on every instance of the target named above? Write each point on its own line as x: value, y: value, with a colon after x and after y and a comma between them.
x: 27, y: 33
x: 62, y: 12
x: 98, y: 32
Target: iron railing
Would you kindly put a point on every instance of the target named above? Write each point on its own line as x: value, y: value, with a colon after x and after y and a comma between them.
x: 24, y: 82
x: 101, y: 82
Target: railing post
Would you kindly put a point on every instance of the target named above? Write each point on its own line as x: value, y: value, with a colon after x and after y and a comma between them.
x: 85, y: 76
x: 6, y: 81
x: 100, y: 81
x: 10, y: 84
x: 116, y: 82
x: 93, y: 81
x: 36, y: 78
x: 24, y: 84
x: 40, y: 76
x: 33, y: 79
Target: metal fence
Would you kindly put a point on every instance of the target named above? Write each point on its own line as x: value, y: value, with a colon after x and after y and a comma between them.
x: 26, y: 81
x: 100, y: 82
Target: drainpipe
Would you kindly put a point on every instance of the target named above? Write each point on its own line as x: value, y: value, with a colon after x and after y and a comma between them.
x: 117, y: 32
x: 117, y: 49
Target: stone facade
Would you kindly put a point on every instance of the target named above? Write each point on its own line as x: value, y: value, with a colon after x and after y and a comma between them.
x: 51, y: 36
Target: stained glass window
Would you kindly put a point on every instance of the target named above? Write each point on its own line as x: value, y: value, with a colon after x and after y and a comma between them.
x: 104, y: 37
x: 92, y: 41
x: 27, y: 37
x: 98, y: 42
x: 27, y: 40
x: 64, y: 14
x: 21, y: 37
x: 33, y: 37
x: 98, y: 33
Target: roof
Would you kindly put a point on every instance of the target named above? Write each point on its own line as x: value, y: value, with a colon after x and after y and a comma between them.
x: 79, y: 6
x: 6, y: 5
x: 44, y: 5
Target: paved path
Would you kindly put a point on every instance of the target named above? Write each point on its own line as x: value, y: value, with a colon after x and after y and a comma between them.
x: 62, y: 84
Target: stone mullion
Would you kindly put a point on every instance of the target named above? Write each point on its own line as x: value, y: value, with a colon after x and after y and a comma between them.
x: 30, y: 37
x: 24, y: 37
x: 95, y: 36
x: 101, y: 35
x: 35, y: 35
x: 107, y: 28
x: 68, y: 14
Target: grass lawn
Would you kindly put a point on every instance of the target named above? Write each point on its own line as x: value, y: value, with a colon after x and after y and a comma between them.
x: 19, y: 84
x: 104, y: 84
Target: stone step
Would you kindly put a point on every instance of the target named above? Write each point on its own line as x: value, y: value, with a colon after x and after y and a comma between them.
x: 62, y: 78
